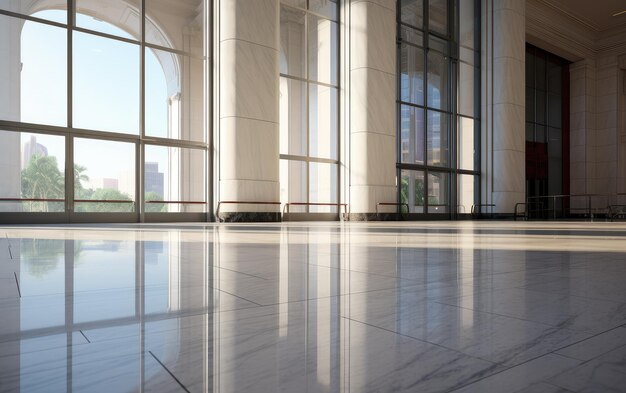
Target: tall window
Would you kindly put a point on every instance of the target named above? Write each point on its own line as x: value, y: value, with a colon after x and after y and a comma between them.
x: 438, y: 105
x: 107, y: 100
x: 309, y: 104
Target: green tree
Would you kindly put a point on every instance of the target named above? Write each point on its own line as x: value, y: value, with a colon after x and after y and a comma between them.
x: 79, y: 177
x: 154, y: 207
x: 42, y: 179
x: 108, y: 207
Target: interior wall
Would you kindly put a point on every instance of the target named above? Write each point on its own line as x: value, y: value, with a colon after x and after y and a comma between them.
x: 598, y: 141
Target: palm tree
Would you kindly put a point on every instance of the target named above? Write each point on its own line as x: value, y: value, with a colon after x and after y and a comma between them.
x: 43, y: 179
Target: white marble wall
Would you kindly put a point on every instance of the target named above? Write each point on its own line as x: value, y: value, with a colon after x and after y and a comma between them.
x: 504, y: 104
x: 582, y: 128
x: 249, y: 103
x: 621, y: 128
x: 10, y: 147
x: 372, y: 96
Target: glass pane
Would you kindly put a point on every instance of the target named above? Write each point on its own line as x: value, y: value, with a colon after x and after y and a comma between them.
x: 174, y: 96
x: 437, y: 80
x: 322, y: 121
x: 174, y: 175
x: 292, y: 42
x: 32, y: 167
x: 322, y: 60
x: 437, y: 139
x: 554, y: 110
x: 438, y: 16
x: 468, y: 159
x: 530, y: 132
x: 176, y: 25
x: 293, y: 106
x: 116, y: 17
x: 106, y: 84
x: 413, y: 36
x: 467, y: 24
x: 412, y: 190
x: 293, y: 183
x: 33, y: 86
x: 324, y: 7
x: 540, y: 133
x: 412, y: 135
x: 540, y: 107
x: 468, y: 186
x: 438, y: 192
x: 99, y: 178
x: 412, y: 12
x: 540, y: 72
x: 467, y: 106
x: 555, y: 74
x: 58, y: 14
x: 322, y: 186
x: 411, y: 74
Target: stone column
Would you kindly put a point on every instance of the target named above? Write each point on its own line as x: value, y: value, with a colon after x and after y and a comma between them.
x: 582, y: 130
x: 10, y: 68
x: 248, y: 108
x: 372, y: 101
x: 504, y: 141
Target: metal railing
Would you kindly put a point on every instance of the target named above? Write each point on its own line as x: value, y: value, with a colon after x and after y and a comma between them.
x: 179, y: 202
x: 400, y: 204
x: 31, y: 200
x: 476, y: 210
x: 551, y: 205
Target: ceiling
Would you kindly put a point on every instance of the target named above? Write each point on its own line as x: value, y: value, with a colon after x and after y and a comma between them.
x: 597, y: 14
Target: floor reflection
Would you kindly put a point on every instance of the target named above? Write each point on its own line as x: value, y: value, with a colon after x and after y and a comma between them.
x: 315, y: 307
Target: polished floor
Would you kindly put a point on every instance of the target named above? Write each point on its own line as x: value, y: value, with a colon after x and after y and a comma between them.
x: 314, y: 307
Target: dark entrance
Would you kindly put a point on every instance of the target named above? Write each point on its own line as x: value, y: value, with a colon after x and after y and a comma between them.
x: 547, y: 128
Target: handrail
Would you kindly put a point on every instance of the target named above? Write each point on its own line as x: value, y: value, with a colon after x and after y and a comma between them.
x: 479, y: 205
x: 616, y: 211
x: 393, y: 204
x: 288, y: 204
x: 217, y: 211
x: 180, y: 202
x: 562, y: 196
x: 103, y: 201
x: 31, y: 200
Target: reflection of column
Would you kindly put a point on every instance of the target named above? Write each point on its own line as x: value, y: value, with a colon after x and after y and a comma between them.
x: 249, y: 106
x: 372, y: 105
x: 505, y: 103
x: 10, y: 68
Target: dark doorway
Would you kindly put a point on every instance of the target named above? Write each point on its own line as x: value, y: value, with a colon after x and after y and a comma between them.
x: 547, y: 128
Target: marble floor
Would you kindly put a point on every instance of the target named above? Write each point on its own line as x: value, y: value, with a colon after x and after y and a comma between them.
x: 314, y: 307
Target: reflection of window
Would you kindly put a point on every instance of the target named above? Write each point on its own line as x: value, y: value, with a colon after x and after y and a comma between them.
x: 309, y: 103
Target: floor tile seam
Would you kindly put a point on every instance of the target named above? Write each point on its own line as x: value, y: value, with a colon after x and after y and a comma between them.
x: 423, y: 341
x: 510, y: 368
x: 570, y: 295
x: 237, y: 296
x: 514, y: 317
x: 169, y: 372
x: 589, y: 360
